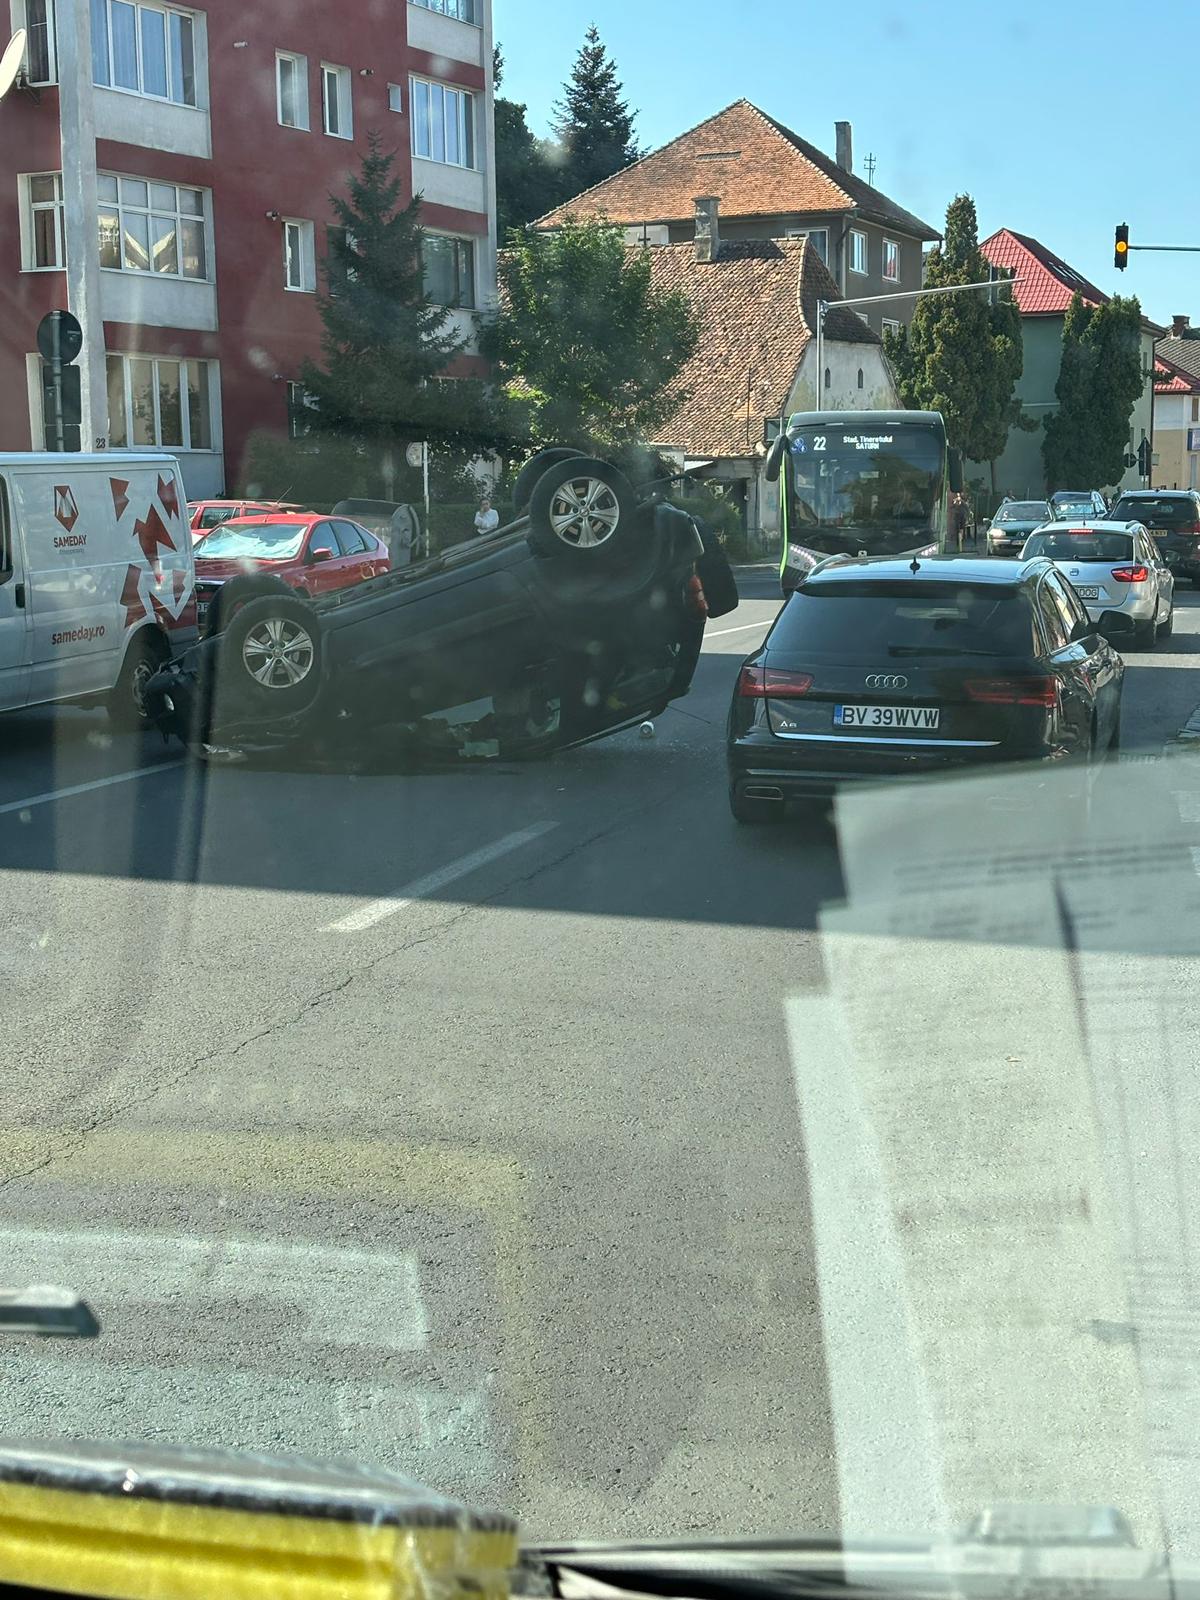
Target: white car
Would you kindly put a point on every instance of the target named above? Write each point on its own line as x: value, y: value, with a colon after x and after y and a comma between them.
x: 1112, y: 567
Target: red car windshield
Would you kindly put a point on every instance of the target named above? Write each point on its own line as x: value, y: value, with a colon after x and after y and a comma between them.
x: 253, y: 541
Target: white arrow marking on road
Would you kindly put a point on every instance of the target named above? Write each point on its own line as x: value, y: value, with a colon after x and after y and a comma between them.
x: 343, y: 1297
x: 85, y: 788
x: 376, y: 910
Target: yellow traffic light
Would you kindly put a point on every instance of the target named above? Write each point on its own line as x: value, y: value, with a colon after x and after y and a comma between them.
x: 1121, y: 247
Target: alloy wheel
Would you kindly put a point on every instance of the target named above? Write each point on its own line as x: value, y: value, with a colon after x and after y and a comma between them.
x: 278, y: 653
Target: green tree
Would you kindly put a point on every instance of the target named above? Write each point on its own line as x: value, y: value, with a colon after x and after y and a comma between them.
x: 529, y: 171
x: 385, y: 344
x: 592, y: 121
x: 586, y: 341
x: 962, y: 353
x: 1099, y: 380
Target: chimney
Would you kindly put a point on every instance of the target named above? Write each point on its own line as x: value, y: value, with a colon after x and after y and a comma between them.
x: 845, y: 146
x: 1178, y: 324
x: 708, y: 228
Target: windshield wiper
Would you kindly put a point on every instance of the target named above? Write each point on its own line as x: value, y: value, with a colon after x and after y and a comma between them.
x: 936, y: 650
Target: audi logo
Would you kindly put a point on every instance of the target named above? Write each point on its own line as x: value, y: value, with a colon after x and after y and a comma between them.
x: 887, y: 680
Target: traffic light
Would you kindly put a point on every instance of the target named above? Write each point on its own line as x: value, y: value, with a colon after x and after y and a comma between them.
x: 1121, y: 247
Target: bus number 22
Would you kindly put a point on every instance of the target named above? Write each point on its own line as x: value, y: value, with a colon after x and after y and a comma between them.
x: 818, y: 441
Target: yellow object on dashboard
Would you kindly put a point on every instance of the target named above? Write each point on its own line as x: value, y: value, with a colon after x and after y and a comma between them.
x: 140, y: 1522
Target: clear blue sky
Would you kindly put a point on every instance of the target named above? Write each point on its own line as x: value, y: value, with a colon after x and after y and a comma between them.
x: 1048, y: 112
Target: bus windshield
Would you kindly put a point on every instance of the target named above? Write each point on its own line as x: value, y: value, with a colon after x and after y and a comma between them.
x: 873, y: 489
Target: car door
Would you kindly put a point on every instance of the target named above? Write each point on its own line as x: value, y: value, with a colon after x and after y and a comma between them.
x: 322, y: 574
x: 1163, y: 578
x: 357, y: 550
x: 1092, y: 665
x: 15, y: 631
x: 1068, y: 660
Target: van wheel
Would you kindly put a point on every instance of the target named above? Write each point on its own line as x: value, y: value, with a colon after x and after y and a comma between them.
x: 271, y: 654
x: 582, y: 508
x: 127, y: 703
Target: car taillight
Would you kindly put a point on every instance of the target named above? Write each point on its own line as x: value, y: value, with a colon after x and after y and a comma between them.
x: 1137, y: 574
x: 1013, y: 691
x: 762, y: 683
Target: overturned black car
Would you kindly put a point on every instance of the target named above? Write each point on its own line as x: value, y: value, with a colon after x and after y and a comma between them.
x: 583, y: 616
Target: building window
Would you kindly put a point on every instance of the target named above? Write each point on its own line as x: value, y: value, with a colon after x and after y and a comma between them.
x: 395, y: 97
x: 335, y: 102
x: 817, y: 237
x: 340, y: 246
x: 449, y: 270
x: 301, y: 405
x: 40, y: 53
x: 828, y: 378
x: 151, y: 227
x: 858, y: 251
x: 443, y: 123
x: 891, y: 260
x: 299, y: 257
x: 159, y: 403
x: 464, y: 10
x: 145, y: 50
x: 860, y: 377
x: 291, y: 89
x: 1196, y: 410
x: 890, y: 325
x: 45, y: 249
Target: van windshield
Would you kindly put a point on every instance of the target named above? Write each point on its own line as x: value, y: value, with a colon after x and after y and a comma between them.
x: 261, y: 541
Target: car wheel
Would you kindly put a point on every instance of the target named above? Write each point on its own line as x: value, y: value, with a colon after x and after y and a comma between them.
x: 271, y: 654
x: 715, y: 573
x: 583, y: 508
x: 127, y: 703
x: 238, y: 592
x: 1167, y: 628
x: 529, y: 474
x: 752, y: 813
x: 1114, y: 742
x: 1145, y: 634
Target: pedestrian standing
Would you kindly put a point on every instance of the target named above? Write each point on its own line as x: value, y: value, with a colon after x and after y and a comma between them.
x: 958, y: 518
x: 487, y: 518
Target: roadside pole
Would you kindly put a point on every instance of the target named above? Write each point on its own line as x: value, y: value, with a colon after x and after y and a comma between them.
x: 56, y: 370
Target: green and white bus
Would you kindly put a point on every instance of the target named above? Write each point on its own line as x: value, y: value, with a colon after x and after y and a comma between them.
x: 861, y: 483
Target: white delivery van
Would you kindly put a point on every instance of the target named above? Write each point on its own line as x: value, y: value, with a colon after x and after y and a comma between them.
x: 97, y: 581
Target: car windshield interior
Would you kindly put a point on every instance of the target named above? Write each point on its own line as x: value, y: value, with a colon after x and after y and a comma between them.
x: 1081, y: 546
x: 265, y: 541
x: 885, y: 620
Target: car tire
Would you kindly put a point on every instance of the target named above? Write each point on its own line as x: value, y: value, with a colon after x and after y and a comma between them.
x: 271, y: 654
x: 754, y: 813
x: 716, y: 574
x: 239, y: 592
x: 1167, y: 628
x: 583, y: 509
x: 126, y: 706
x: 1145, y: 634
x: 523, y: 484
x: 1114, y: 743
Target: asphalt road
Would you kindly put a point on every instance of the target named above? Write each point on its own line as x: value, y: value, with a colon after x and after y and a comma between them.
x: 449, y: 1121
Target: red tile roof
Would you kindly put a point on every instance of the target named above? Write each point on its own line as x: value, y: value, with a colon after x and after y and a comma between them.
x: 756, y: 306
x: 1049, y: 282
x: 754, y: 165
x: 1174, y: 380
x: 1182, y: 356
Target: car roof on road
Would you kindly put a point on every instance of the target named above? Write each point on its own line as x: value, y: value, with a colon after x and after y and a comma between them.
x: 1157, y: 494
x: 930, y: 569
x: 276, y: 516
x: 1088, y: 525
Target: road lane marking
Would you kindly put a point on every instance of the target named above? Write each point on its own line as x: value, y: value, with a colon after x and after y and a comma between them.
x: 335, y: 1296
x: 743, y: 628
x: 377, y: 910
x: 85, y: 788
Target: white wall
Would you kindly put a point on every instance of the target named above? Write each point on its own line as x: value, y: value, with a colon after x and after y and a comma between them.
x: 443, y: 185
x: 844, y: 361
x: 447, y: 36
x: 144, y: 298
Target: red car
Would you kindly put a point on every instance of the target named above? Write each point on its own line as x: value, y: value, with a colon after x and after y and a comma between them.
x: 309, y: 553
x: 204, y: 515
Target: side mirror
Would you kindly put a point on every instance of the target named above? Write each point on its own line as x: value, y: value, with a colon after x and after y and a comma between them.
x: 319, y: 553
x: 774, y: 460
x: 954, y: 471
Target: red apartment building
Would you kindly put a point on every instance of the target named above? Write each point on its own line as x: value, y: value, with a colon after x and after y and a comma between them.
x: 165, y: 174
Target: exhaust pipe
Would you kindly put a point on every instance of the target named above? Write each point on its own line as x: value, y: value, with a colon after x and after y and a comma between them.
x: 763, y: 791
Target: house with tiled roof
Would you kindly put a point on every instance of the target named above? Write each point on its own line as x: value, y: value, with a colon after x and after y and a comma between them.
x: 770, y: 184
x: 1177, y: 409
x: 756, y: 360
x: 1043, y: 288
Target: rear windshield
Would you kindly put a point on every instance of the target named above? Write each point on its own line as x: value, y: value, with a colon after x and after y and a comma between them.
x: 1074, y: 508
x: 1081, y: 546
x: 1024, y: 511
x: 849, y: 621
x: 1171, y: 511
x: 213, y: 516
